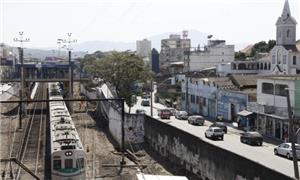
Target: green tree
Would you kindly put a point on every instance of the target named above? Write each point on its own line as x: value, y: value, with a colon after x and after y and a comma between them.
x: 262, y: 47
x: 239, y: 55
x: 122, y: 70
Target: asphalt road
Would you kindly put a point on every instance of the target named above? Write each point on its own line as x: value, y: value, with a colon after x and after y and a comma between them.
x: 261, y: 154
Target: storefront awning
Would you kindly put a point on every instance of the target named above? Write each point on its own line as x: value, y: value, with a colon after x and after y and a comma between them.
x: 244, y: 113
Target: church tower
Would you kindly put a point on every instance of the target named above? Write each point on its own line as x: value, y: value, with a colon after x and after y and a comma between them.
x: 286, y: 27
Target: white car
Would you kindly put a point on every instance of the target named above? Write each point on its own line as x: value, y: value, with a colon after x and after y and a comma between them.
x: 181, y: 115
x: 196, y: 119
x: 214, y: 132
x: 285, y: 149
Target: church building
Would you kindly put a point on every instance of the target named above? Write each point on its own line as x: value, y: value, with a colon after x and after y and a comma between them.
x: 285, y: 57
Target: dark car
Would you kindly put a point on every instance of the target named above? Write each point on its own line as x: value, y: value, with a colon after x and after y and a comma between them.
x: 252, y: 138
x: 145, y: 102
x: 220, y: 125
x: 140, y: 111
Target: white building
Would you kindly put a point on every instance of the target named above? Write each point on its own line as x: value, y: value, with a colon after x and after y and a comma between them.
x: 271, y: 105
x: 216, y: 52
x: 259, y: 66
x: 143, y: 48
x: 285, y: 55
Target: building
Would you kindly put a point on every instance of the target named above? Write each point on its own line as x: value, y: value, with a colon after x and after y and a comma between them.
x: 143, y: 48
x: 261, y: 66
x: 214, y: 53
x: 218, y: 96
x: 271, y: 106
x: 155, y: 61
x: 285, y: 55
x: 174, y: 49
x: 7, y: 60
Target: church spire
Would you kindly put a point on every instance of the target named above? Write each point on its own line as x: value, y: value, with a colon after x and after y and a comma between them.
x: 286, y: 10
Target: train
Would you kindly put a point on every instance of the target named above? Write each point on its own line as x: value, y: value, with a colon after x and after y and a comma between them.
x: 68, y: 157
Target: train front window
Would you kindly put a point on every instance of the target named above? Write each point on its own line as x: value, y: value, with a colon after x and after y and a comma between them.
x: 80, y: 163
x: 68, y: 163
x: 57, y: 164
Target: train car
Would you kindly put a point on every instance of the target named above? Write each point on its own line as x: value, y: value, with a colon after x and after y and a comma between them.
x: 67, y: 153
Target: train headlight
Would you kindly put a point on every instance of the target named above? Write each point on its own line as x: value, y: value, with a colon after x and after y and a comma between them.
x: 68, y: 153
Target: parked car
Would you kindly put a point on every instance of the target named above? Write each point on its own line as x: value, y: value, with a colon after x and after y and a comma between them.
x: 214, y: 132
x: 165, y: 114
x: 285, y: 149
x: 181, y: 115
x: 140, y: 111
x: 252, y: 138
x: 196, y: 119
x: 220, y: 125
x: 145, y: 102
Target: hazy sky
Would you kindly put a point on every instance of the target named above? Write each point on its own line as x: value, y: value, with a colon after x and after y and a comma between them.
x: 43, y: 21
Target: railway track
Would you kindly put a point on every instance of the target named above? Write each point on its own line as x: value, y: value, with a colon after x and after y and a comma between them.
x: 31, y: 150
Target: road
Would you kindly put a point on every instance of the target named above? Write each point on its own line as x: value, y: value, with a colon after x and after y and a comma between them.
x: 261, y: 154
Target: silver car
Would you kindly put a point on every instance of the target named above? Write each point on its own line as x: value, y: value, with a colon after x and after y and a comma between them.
x: 285, y: 149
x: 181, y: 115
x: 196, y: 119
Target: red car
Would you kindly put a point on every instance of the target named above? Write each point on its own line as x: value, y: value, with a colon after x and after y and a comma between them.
x: 165, y: 114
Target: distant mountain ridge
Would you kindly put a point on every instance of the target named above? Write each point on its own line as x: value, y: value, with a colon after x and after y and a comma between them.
x: 197, y: 38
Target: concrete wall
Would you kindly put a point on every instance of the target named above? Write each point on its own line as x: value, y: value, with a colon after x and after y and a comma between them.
x: 201, y: 158
x: 133, y: 125
x: 13, y: 90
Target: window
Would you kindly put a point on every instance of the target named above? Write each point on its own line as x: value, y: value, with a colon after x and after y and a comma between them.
x: 197, y: 99
x: 56, y: 164
x: 284, y: 59
x: 80, y: 163
x: 183, y: 96
x: 280, y: 89
x: 294, y: 60
x: 204, y: 101
x: 267, y: 88
x: 68, y: 163
x: 273, y: 59
x: 288, y: 33
x: 192, y: 99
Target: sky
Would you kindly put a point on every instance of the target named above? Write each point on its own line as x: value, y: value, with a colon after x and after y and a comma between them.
x: 44, y: 21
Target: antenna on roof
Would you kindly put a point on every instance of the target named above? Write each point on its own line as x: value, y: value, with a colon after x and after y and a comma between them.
x: 185, y: 34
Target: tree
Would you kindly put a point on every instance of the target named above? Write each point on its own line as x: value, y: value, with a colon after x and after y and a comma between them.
x: 262, y: 47
x: 122, y: 70
x: 240, y: 55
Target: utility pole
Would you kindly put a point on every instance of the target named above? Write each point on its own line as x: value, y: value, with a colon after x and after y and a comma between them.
x: 151, y: 98
x: 21, y: 57
x: 123, y: 162
x: 292, y: 134
x: 70, y: 93
x: 187, y: 58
